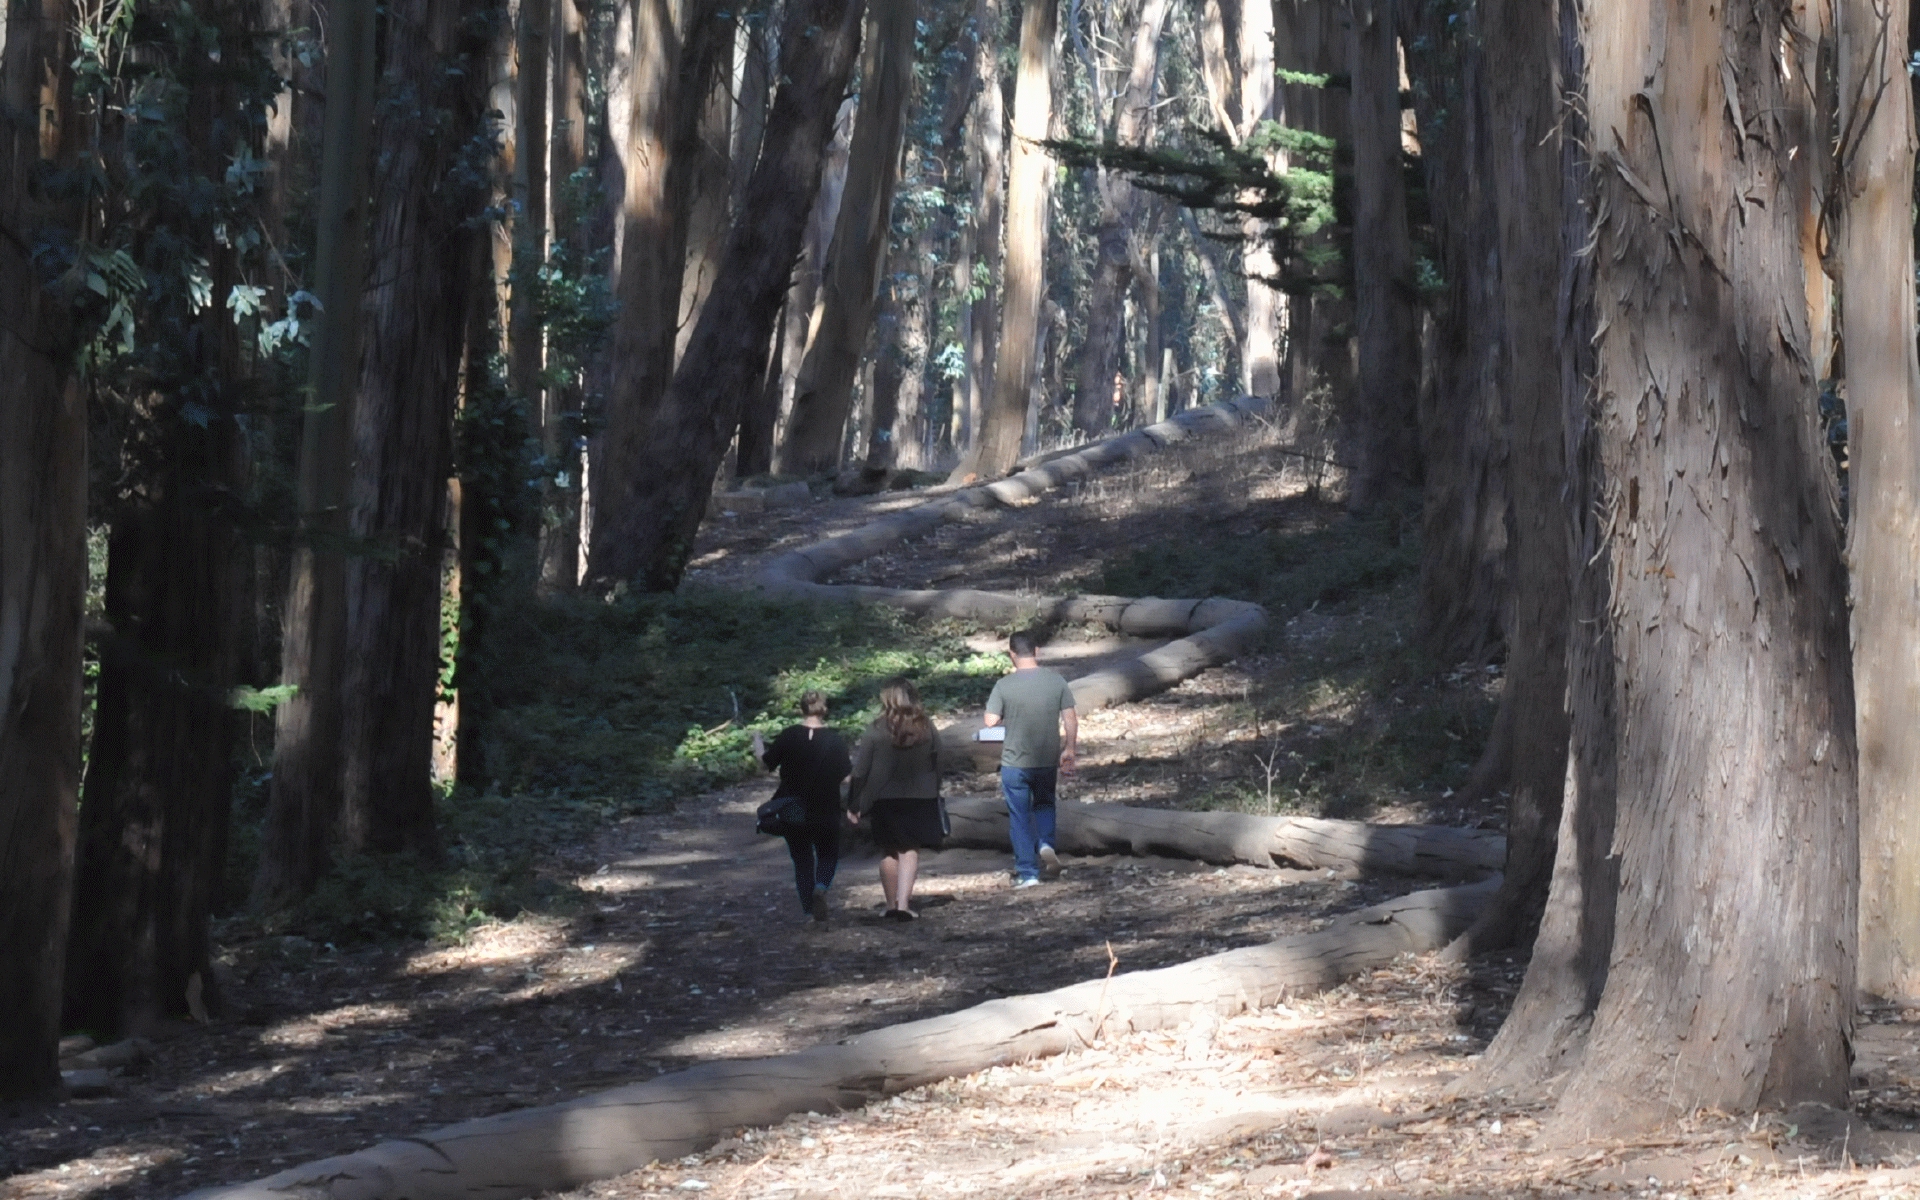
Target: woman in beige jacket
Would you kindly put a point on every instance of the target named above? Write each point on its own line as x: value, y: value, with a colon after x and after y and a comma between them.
x: 896, y: 786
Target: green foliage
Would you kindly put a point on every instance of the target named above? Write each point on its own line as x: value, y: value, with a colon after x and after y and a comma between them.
x: 1214, y: 175
x: 653, y: 696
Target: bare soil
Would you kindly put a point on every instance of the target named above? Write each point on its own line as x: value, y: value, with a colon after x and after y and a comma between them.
x: 691, y: 946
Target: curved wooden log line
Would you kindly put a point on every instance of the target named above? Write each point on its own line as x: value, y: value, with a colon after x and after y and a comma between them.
x: 595, y: 1137
x: 559, y: 1146
x: 1348, y: 848
x: 1206, y: 632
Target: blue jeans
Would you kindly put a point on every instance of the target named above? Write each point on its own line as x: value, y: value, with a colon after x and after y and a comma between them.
x: 1030, y: 795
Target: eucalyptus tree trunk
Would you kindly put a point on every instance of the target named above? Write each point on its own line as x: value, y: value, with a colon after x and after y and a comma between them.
x: 1121, y: 260
x: 801, y: 312
x: 986, y: 143
x: 526, y: 350
x: 823, y: 394
x: 1466, y: 560
x: 1545, y: 1035
x: 820, y: 39
x: 158, y: 790
x: 43, y: 555
x: 1873, y: 199
x: 1385, y: 437
x: 677, y: 47
x: 424, y: 248
x: 996, y: 441
x: 710, y: 205
x: 1521, y: 123
x: 303, y: 806
x: 1729, y: 982
x: 1266, y: 305
x: 560, y: 417
x: 1310, y: 39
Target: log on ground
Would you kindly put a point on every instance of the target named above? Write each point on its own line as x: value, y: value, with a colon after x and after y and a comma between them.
x: 1349, y: 848
x: 596, y: 1137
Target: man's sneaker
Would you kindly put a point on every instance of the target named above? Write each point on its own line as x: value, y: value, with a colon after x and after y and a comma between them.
x: 1027, y: 883
x: 1049, y: 861
x: 818, y: 905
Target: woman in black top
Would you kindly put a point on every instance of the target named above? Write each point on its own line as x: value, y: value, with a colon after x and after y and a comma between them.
x: 813, y: 762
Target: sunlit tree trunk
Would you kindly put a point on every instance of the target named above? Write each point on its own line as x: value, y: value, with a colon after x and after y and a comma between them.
x: 820, y: 39
x: 1875, y: 264
x: 43, y: 557
x: 1266, y: 305
x: 1729, y: 982
x: 1121, y: 261
x: 823, y: 395
x: 526, y: 350
x: 560, y: 419
x: 303, y: 808
x: 996, y: 443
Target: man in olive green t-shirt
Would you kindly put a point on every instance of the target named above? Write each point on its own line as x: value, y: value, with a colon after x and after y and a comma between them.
x: 1043, y: 736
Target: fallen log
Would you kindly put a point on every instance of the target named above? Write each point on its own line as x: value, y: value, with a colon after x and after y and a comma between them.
x: 595, y: 1137
x: 1349, y: 848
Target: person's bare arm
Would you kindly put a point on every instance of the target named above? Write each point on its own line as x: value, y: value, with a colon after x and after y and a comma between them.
x: 991, y: 719
x: 1070, y: 740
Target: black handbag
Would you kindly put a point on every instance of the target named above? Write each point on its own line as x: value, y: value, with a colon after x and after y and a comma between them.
x: 781, y: 816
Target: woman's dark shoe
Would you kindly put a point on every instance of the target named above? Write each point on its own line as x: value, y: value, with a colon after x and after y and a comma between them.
x: 902, y: 914
x: 818, y: 906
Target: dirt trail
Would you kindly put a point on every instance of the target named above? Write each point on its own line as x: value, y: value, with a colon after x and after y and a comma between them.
x: 691, y: 946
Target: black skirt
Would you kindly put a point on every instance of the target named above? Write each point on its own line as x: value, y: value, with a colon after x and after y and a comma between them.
x: 906, y: 825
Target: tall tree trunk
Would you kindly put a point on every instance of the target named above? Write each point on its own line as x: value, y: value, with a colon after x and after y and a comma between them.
x: 1524, y: 156
x: 526, y: 349
x: 43, y: 555
x: 158, y: 789
x: 153, y: 830
x: 1119, y: 264
x: 725, y: 357
x: 986, y: 167
x: 303, y: 806
x: 1875, y: 260
x: 1466, y: 558
x: 1266, y: 304
x: 423, y: 254
x: 1730, y: 978
x: 801, y: 312
x: 1310, y: 39
x: 560, y: 419
x: 1545, y: 1035
x: 677, y: 47
x: 1385, y: 442
x: 996, y: 442
x: 823, y: 395
x: 710, y: 181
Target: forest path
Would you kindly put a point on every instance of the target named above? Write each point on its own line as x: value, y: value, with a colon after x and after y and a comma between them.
x: 690, y: 948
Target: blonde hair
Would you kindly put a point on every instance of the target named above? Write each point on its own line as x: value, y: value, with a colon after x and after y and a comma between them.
x: 900, y: 708
x: 813, y: 703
